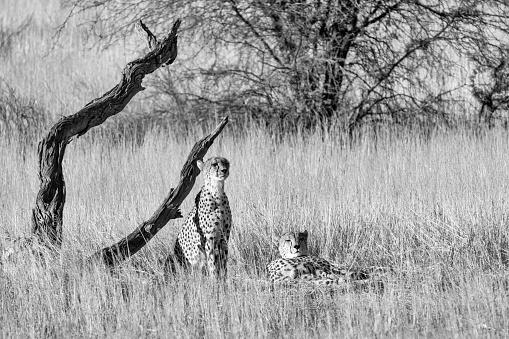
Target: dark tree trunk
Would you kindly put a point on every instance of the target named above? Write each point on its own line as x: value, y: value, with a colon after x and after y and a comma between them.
x: 47, y: 214
x: 340, y: 35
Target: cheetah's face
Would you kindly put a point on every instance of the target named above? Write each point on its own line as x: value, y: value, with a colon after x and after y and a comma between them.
x: 293, y: 244
x: 215, y: 169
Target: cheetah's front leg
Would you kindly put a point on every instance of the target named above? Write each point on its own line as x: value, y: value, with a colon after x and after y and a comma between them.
x: 222, y: 258
x: 210, y: 252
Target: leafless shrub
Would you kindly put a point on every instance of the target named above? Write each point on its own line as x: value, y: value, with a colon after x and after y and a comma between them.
x: 8, y: 36
x: 21, y: 117
x: 490, y: 83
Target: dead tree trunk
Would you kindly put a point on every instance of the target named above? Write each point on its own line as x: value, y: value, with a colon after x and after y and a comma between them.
x: 169, y: 209
x: 48, y: 210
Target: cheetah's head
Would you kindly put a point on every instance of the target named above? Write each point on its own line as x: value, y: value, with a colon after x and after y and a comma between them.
x: 293, y: 244
x: 215, y: 170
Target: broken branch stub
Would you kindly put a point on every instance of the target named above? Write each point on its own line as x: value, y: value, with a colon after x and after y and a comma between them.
x: 48, y: 211
x: 169, y: 209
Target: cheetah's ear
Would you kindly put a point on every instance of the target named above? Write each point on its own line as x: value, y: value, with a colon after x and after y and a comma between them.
x: 200, y: 164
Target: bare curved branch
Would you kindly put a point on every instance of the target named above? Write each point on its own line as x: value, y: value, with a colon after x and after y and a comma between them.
x: 48, y: 211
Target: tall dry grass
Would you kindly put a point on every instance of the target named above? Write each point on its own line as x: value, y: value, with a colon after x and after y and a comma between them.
x: 434, y: 209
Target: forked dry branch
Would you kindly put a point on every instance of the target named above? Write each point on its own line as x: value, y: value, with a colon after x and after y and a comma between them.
x: 48, y: 211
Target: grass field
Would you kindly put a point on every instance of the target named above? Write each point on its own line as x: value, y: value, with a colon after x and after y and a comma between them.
x: 434, y: 209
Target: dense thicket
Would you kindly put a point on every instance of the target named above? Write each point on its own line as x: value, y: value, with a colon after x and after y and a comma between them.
x: 327, y: 62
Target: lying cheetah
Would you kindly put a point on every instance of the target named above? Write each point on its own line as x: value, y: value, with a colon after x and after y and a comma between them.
x: 203, y: 239
x: 296, y: 265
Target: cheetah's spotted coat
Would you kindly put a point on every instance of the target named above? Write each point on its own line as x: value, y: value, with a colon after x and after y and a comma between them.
x: 203, y: 239
x: 296, y: 265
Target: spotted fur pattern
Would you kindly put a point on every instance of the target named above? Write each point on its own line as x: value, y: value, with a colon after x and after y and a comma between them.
x: 296, y: 265
x: 203, y: 239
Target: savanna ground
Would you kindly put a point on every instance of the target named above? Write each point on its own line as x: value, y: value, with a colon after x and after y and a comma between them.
x: 434, y: 209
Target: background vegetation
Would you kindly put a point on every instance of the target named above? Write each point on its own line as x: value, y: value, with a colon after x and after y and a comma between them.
x: 432, y: 206
x: 326, y: 63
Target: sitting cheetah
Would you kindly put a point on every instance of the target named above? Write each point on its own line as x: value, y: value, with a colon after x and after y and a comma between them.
x: 296, y: 265
x: 203, y: 239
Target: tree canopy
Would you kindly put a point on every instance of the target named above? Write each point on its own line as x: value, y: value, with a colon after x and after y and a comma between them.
x: 335, y: 62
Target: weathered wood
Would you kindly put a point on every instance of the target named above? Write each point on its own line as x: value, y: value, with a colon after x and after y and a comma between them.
x: 169, y: 209
x: 48, y: 211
